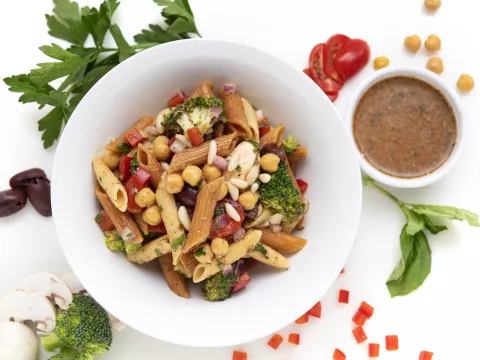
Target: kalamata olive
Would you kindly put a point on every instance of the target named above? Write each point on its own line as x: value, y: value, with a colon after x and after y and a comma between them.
x: 274, y: 149
x: 218, y: 129
x: 23, y: 178
x: 252, y: 214
x: 38, y: 191
x: 187, y: 197
x: 12, y: 201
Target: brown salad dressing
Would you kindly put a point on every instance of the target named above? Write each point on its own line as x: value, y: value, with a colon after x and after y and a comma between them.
x: 405, y: 127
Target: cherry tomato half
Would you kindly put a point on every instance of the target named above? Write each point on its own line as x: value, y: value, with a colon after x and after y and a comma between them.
x: 131, y: 192
x: 333, y: 45
x: 328, y: 85
x: 264, y: 126
x: 351, y: 58
x: 223, y: 225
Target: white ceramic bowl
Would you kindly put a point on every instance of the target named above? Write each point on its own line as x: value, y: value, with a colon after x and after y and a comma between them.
x: 437, y: 83
x: 138, y: 295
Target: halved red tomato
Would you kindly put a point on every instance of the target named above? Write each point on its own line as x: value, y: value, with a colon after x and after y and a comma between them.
x: 333, y: 45
x: 332, y: 97
x: 241, y: 282
x: 131, y: 192
x: 223, y: 225
x: 328, y: 85
x: 176, y: 100
x: 124, y: 167
x: 351, y: 58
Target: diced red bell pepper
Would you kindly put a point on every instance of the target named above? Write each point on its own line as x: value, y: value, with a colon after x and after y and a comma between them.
x: 303, y: 185
x: 239, y: 355
x: 359, y: 334
x: 241, y: 282
x: 343, y: 296
x: 160, y: 228
x: 391, y: 342
x: 195, y: 136
x: 275, y: 341
x: 366, y: 309
x: 359, y: 318
x: 316, y: 310
x: 176, y: 100
x: 131, y: 192
x: 294, y: 339
x: 373, y: 350
x: 338, y: 355
x: 426, y: 355
x: 171, y: 141
x: 264, y: 126
x: 302, y: 319
x: 103, y: 221
x: 141, y: 178
x: 134, y: 137
x: 124, y: 168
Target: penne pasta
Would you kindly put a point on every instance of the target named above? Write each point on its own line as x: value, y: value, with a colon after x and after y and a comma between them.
x: 204, y: 271
x: 149, y: 162
x: 205, y: 90
x: 188, y: 263
x: 141, y: 124
x: 239, y: 249
x: 176, y: 281
x: 203, y: 215
x: 263, y: 217
x: 112, y: 186
x: 282, y: 242
x: 237, y: 119
x: 123, y: 221
x: 251, y: 119
x: 151, y: 251
x: 270, y: 257
x: 198, y: 155
x: 274, y: 136
x: 168, y: 208
x: 141, y: 223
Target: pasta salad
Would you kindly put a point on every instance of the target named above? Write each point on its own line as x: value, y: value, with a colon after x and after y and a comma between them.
x: 207, y: 189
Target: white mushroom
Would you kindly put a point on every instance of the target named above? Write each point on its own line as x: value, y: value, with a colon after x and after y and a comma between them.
x: 21, y: 306
x: 48, y: 285
x: 17, y: 342
x: 73, y: 283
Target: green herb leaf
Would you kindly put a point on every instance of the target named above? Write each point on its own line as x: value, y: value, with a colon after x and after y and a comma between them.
x: 124, y: 48
x: 447, y: 212
x: 51, y: 125
x: 156, y: 35
x: 219, y: 211
x: 54, y: 98
x: 176, y: 8
x: 158, y: 252
x: 178, y: 241
x: 98, y: 218
x: 124, y: 148
x: 23, y: 84
x: 415, y: 222
x: 98, y: 21
x: 66, y: 24
x: 180, y: 26
x: 200, y: 251
x: 417, y: 262
x: 261, y: 249
x: 431, y: 226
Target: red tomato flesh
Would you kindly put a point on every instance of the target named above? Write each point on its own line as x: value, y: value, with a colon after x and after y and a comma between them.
x: 294, y: 339
x: 264, y: 126
x: 316, y: 310
x: 351, y: 58
x: 104, y: 222
x: 359, y: 318
x: 343, y: 296
x: 328, y: 85
x: 338, y: 355
x: 302, y: 319
x: 373, y: 350
x: 223, y: 225
x: 332, y: 97
x: 239, y: 355
x: 133, y: 137
x: 242, y: 281
x: 195, y: 136
x: 426, y: 355
x: 303, y: 185
x: 275, y: 341
x: 124, y: 168
x: 391, y: 342
x: 131, y: 192
x: 176, y: 100
x: 333, y: 45
x: 141, y: 178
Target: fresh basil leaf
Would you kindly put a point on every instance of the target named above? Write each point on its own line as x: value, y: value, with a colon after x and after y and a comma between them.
x: 51, y: 125
x: 406, y: 247
x: 415, y: 222
x: 416, y: 268
x: 431, y: 226
x: 156, y: 34
x: 448, y: 212
x: 124, y: 48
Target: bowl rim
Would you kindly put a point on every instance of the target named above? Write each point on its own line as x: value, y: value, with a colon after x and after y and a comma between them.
x: 433, y: 80
x: 355, y: 205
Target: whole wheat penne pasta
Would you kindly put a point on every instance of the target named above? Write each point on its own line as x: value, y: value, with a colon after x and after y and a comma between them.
x: 299, y: 154
x: 151, y: 251
x: 239, y: 249
x: 274, y: 136
x: 112, y: 186
x: 123, y: 221
x: 149, y: 162
x: 285, y: 243
x: 204, y: 271
x: 176, y: 281
x: 198, y: 155
x: 168, y: 208
x: 203, y: 214
x: 237, y: 119
x: 205, y: 90
x: 271, y: 257
x: 141, y: 223
x: 141, y: 124
x: 188, y: 263
x: 251, y: 119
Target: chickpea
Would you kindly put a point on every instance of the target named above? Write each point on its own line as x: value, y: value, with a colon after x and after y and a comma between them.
x: 203, y: 254
x: 413, y: 43
x: 248, y: 200
x: 223, y: 191
x: 269, y: 162
x: 433, y: 43
x: 162, y: 139
x: 152, y: 215
x: 192, y: 175
x: 436, y: 65
x: 145, y: 197
x: 432, y: 5
x: 111, y: 159
x: 211, y: 172
x: 465, y: 83
x: 219, y: 247
x: 174, y: 183
x: 161, y: 149
x: 381, y: 62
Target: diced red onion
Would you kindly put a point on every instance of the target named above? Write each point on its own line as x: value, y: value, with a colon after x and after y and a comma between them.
x: 227, y: 270
x: 239, y: 234
x: 182, y: 94
x: 127, y: 234
x: 216, y: 111
x: 220, y: 162
x: 240, y: 268
x: 229, y: 88
x: 259, y: 114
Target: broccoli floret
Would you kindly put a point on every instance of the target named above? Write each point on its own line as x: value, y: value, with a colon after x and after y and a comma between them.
x: 198, y: 114
x: 114, y: 241
x: 280, y: 195
x: 82, y: 331
x: 131, y: 248
x: 290, y: 144
x: 219, y: 287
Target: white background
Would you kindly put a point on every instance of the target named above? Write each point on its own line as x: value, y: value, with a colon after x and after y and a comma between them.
x: 442, y: 316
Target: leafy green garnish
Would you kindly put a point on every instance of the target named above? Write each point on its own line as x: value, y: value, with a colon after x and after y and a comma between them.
x: 200, y: 252
x: 124, y: 148
x: 178, y: 241
x: 134, y: 165
x: 219, y: 211
x: 98, y: 218
x: 238, y: 168
x: 255, y: 145
x: 415, y: 264
x: 158, y: 252
x: 81, y: 66
x: 261, y: 249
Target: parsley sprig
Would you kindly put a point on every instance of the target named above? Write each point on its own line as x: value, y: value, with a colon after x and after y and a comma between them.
x: 62, y: 84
